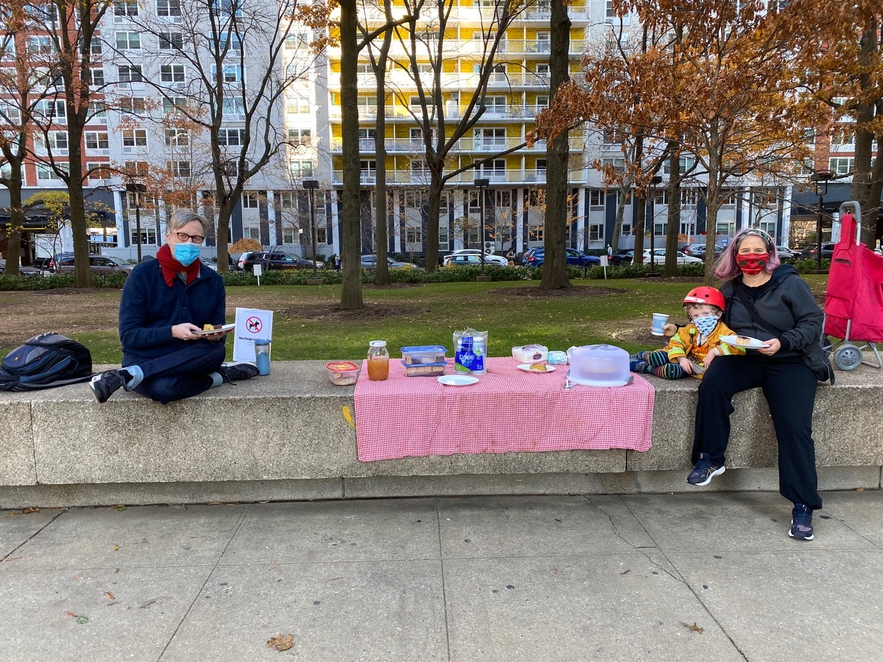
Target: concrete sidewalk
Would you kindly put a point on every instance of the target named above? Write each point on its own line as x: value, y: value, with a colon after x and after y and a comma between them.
x: 697, y: 576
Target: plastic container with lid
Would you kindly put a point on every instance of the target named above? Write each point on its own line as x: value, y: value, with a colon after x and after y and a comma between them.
x: 378, y: 361
x: 423, y: 354
x: 530, y: 353
x: 342, y: 373
x: 599, y: 365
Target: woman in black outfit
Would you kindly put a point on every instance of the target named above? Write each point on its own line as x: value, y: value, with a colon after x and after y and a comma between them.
x: 768, y: 301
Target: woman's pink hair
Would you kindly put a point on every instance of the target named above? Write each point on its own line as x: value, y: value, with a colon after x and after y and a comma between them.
x: 726, y: 268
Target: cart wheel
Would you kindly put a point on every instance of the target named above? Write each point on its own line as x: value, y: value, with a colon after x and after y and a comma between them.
x: 847, y: 357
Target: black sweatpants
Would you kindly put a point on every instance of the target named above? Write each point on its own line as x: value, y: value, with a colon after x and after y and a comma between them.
x: 790, y: 390
x: 181, y: 374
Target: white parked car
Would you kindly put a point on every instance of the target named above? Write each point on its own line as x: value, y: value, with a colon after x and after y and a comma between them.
x: 659, y: 257
x: 496, y: 260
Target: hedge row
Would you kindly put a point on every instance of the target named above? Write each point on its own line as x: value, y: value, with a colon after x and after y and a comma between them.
x: 331, y: 277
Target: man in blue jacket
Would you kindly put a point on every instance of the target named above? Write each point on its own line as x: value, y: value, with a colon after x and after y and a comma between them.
x: 166, y: 304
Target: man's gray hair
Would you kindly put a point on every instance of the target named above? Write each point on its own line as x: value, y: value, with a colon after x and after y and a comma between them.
x: 184, y: 216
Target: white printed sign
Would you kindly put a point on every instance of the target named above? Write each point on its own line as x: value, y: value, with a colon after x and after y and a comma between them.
x: 251, y: 325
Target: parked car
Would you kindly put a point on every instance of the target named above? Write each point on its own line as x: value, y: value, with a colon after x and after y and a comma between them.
x: 22, y: 271
x: 659, y: 257
x: 575, y: 258
x: 370, y: 262
x: 275, y: 260
x: 42, y: 263
x: 622, y: 256
x: 99, y: 265
x: 497, y: 260
x: 810, y: 252
x: 786, y: 254
x: 698, y: 250
x: 468, y: 259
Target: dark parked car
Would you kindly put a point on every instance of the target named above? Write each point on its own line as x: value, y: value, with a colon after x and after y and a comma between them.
x: 575, y: 258
x: 275, y: 261
x: 622, y: 257
x: 22, y: 271
x: 100, y: 265
x: 698, y: 250
x: 809, y: 253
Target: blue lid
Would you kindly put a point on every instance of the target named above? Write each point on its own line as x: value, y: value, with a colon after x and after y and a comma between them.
x: 424, y: 348
x: 422, y: 365
x: 261, y: 341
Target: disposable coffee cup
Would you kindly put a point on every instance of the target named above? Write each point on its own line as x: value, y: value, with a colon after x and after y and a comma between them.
x: 659, y: 321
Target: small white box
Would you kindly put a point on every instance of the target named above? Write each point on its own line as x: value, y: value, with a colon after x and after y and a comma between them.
x: 530, y: 353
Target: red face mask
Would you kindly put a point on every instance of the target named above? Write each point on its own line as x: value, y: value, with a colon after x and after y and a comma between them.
x: 752, y: 263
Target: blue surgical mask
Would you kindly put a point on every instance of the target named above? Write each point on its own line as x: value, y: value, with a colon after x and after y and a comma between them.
x: 705, y: 324
x: 186, y: 253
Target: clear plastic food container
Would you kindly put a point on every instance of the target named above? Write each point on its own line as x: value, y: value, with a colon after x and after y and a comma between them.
x: 530, y: 353
x: 342, y: 373
x: 424, y: 369
x: 423, y: 354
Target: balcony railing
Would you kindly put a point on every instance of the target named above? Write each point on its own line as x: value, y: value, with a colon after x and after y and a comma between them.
x: 492, y: 145
x: 466, y: 179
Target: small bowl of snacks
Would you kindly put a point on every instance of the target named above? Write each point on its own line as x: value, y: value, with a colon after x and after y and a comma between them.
x: 342, y: 373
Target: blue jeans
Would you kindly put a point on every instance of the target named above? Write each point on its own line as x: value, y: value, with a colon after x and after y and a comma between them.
x: 183, y: 373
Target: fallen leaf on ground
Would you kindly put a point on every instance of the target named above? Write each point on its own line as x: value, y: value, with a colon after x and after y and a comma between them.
x: 109, y: 595
x: 625, y: 572
x: 77, y: 578
x: 29, y: 510
x: 70, y: 613
x: 281, y: 642
x: 116, y: 548
x: 693, y: 628
x: 81, y: 620
x: 121, y: 507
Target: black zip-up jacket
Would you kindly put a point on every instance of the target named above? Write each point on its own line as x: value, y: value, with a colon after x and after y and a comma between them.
x: 787, y: 303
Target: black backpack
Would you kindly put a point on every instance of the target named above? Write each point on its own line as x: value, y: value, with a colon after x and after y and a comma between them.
x: 44, y: 361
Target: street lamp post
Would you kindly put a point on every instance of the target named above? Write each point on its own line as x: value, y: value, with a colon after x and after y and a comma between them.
x: 821, y: 180
x: 137, y: 190
x: 482, y: 184
x: 311, y: 185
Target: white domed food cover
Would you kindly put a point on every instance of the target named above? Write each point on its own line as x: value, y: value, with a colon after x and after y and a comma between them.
x: 599, y: 365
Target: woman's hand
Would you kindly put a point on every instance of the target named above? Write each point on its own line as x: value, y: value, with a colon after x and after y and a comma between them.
x: 772, y: 347
x: 685, y: 364
x: 186, y: 331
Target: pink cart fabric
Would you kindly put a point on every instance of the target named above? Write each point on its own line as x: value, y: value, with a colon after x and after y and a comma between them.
x: 508, y: 410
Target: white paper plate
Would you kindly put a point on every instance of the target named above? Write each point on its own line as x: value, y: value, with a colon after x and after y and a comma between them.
x: 744, y: 342
x: 224, y: 329
x: 457, y: 380
x: 526, y: 368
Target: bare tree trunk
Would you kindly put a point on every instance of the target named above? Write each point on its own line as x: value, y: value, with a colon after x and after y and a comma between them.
x: 557, y: 152
x: 16, y: 222
x: 674, y: 215
x: 868, y: 179
x: 351, y: 270
x: 381, y: 273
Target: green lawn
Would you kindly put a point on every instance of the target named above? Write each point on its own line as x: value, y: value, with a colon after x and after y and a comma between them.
x: 308, y: 323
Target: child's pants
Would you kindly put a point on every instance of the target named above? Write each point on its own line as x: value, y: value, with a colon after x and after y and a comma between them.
x: 655, y: 362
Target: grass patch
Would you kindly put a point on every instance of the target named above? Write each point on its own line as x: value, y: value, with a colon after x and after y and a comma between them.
x: 309, y: 323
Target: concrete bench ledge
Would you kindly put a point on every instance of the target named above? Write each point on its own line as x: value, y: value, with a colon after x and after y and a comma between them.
x: 285, y: 437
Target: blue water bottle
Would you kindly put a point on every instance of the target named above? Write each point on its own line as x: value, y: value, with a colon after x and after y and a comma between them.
x: 262, y: 356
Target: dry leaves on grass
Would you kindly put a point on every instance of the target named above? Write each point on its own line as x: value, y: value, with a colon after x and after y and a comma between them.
x: 281, y: 642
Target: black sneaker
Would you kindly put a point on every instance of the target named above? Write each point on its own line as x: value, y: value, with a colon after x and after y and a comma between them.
x: 105, y: 384
x: 801, y: 522
x: 237, y: 372
x: 704, y: 471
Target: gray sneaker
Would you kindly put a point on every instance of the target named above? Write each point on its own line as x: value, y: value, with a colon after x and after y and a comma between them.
x: 704, y: 471
x: 801, y: 522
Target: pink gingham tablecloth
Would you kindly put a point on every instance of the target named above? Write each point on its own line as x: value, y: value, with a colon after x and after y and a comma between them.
x: 508, y: 410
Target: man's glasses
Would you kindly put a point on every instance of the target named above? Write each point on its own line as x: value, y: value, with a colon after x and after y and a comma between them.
x: 183, y: 237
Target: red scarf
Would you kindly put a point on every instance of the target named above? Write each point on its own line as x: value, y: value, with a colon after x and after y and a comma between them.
x: 171, y: 267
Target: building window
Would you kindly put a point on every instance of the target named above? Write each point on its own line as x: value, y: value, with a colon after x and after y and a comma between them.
x: 231, y: 137
x: 173, y: 104
x: 177, y: 137
x: 132, y: 105
x: 843, y: 134
x: 233, y: 107
x: 689, y: 197
x: 129, y: 73
x: 179, y: 168
x: 299, y: 137
x: 128, y: 41
x: 299, y: 169
x: 37, y: 46
x: 171, y: 41
x: 841, y: 165
x: 230, y: 73
x: 596, y: 199
x: 297, y: 106
x: 250, y: 200
x: 96, y: 140
x: 287, y: 199
x: 45, y: 173
x: 168, y: 7
x: 504, y: 199
x: 55, y: 141
x: 98, y: 171
x: 136, y: 168
x: 413, y: 235
x: 134, y: 138
x: 171, y: 73
x: 96, y: 77
x: 125, y: 7
x: 685, y: 164
x: 596, y: 232
x: 229, y: 44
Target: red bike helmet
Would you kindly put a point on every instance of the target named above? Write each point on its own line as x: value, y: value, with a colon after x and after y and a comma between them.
x: 705, y: 294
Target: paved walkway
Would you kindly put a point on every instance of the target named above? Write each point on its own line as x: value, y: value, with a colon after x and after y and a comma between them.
x: 698, y: 576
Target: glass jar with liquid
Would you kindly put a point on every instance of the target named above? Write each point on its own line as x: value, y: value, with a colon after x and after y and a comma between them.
x: 378, y: 361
